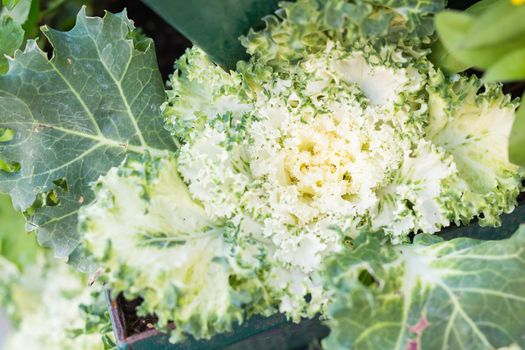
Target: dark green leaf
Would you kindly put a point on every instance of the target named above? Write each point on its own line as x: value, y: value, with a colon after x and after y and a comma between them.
x: 459, y: 294
x: 215, y: 26
x: 31, y: 24
x: 510, y: 67
x: 76, y: 116
x: 501, y: 22
x: 517, y: 137
x: 11, y: 37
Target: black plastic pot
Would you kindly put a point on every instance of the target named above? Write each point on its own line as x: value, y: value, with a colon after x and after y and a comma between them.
x: 258, y: 333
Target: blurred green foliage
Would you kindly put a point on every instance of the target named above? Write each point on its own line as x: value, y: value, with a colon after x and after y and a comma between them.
x: 488, y: 36
x: 13, y: 15
x: 21, y: 19
x: 15, y: 245
x: 11, y: 37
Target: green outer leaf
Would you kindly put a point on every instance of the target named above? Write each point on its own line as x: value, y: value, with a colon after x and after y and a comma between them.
x: 502, y: 22
x: 517, y: 137
x: 443, y: 57
x: 215, y: 26
x: 510, y: 67
x: 76, y: 116
x: 482, y: 6
x: 452, y: 28
x: 11, y: 38
x: 445, y: 60
x: 462, y: 294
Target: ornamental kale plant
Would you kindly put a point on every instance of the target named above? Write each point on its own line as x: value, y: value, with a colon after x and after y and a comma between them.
x: 308, y: 181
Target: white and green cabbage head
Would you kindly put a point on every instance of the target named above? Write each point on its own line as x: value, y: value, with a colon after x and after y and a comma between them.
x: 338, y: 124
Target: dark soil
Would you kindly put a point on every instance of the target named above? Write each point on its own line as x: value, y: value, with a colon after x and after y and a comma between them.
x: 132, y: 323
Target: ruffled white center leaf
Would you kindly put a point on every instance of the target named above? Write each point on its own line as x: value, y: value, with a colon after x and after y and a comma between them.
x: 474, y: 129
x: 324, y: 140
x: 412, y: 202
x: 149, y: 233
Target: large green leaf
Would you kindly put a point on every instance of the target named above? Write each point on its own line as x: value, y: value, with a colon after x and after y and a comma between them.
x: 481, y: 6
x: 504, y: 21
x: 440, y: 55
x: 458, y: 294
x: 517, y: 137
x: 510, y: 67
x: 215, y: 26
x: 74, y: 117
x: 446, y: 60
x: 453, y: 27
